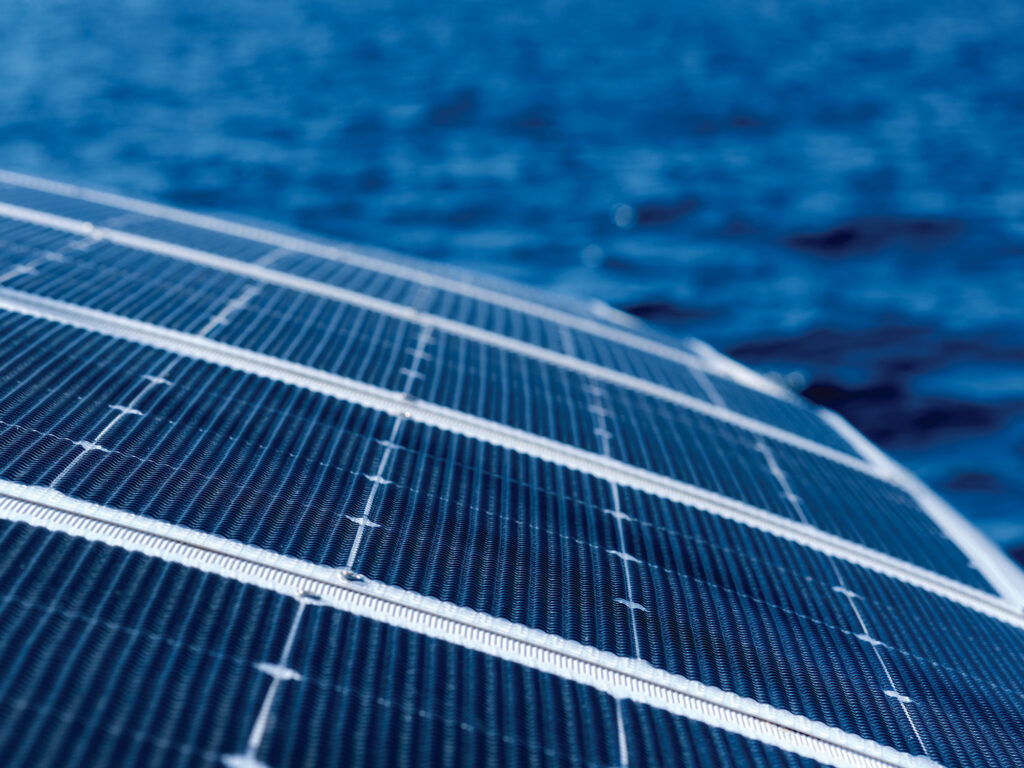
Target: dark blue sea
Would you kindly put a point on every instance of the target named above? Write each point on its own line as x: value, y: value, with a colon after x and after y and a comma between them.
x: 831, y: 192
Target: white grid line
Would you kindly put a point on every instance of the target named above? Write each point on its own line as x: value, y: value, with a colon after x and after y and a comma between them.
x: 797, y: 504
x: 380, y: 476
x: 279, y: 673
x: 620, y: 729
x: 600, y: 415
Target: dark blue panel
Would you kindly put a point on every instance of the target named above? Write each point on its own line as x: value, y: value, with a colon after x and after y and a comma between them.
x: 193, y: 237
x: 498, y: 385
x: 960, y: 670
x: 128, y: 661
x: 696, y: 449
x: 790, y: 416
x: 354, y: 279
x: 111, y: 658
x: 116, y: 659
x: 466, y: 522
x: 890, y: 522
x: 588, y: 346
x: 20, y: 242
x: 867, y: 510
x: 657, y: 739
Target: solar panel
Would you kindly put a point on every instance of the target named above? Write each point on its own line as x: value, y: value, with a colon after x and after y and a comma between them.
x: 270, y: 501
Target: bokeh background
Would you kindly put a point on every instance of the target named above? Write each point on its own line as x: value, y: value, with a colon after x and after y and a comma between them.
x: 830, y: 191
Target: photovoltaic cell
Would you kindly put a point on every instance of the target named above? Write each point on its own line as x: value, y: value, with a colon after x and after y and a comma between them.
x: 149, y: 287
x: 139, y: 662
x: 177, y: 428
x: 495, y: 384
x: 515, y: 324
x: 796, y: 418
x: 118, y: 658
x: 453, y: 518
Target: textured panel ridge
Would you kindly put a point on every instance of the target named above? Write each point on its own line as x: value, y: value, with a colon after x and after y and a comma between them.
x: 628, y: 682
x: 270, y: 501
x: 796, y: 603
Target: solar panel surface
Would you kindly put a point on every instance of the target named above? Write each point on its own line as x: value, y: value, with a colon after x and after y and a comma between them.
x: 270, y: 501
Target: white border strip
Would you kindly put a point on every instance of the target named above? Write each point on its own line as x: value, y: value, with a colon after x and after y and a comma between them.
x: 737, y: 371
x: 544, y: 449
x: 336, y: 293
x: 383, y: 266
x: 994, y: 564
x: 868, y: 450
x: 618, y: 676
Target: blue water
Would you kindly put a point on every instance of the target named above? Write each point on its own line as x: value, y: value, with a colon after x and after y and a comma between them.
x: 832, y: 192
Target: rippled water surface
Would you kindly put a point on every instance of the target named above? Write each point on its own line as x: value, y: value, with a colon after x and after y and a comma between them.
x: 830, y: 191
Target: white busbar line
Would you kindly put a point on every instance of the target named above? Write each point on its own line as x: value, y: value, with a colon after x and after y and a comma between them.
x: 623, y: 742
x: 998, y: 569
x: 395, y: 269
x: 618, y: 676
x: 278, y: 673
x: 291, y: 281
x: 542, y: 448
x: 599, y: 415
